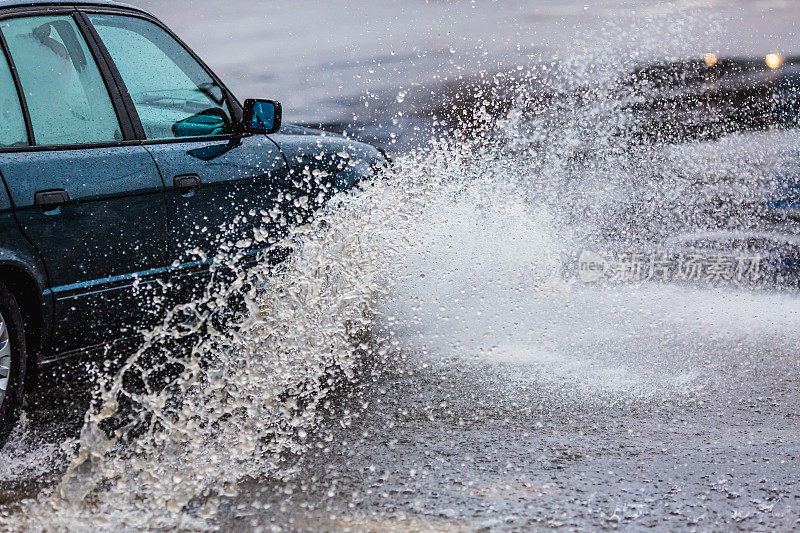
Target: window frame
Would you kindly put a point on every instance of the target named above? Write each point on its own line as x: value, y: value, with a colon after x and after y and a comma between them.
x: 130, y: 124
x: 234, y: 106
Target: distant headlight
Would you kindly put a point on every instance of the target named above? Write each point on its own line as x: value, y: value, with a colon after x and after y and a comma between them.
x: 711, y: 60
x: 774, y: 60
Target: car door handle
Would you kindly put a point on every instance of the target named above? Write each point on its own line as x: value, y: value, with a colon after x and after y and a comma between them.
x: 187, y: 183
x: 50, y: 200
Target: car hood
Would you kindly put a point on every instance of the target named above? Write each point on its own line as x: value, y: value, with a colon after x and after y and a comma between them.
x: 296, y: 129
x: 345, y: 160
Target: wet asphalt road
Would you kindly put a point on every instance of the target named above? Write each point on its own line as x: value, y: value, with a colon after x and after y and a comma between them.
x: 454, y: 449
x: 465, y: 444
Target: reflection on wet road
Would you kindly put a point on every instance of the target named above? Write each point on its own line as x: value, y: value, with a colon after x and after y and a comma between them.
x: 664, y: 407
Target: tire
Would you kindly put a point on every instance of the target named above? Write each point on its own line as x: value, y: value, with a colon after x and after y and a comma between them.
x: 12, y: 361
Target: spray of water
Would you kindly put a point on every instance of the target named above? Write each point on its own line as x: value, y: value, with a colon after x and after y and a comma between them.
x: 198, y: 409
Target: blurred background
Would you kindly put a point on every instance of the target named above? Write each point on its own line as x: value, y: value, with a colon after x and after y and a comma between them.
x: 325, y: 59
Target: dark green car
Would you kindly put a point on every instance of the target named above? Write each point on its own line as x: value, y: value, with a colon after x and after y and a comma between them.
x: 126, y: 164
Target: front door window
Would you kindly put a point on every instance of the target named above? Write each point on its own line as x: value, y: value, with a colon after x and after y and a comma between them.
x: 174, y: 95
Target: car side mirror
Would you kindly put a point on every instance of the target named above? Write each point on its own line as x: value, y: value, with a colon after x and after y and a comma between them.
x: 261, y: 116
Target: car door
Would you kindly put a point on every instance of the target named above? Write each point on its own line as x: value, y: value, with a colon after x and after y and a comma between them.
x: 89, y: 200
x: 219, y: 184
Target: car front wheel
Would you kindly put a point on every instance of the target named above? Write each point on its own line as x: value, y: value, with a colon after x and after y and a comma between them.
x: 12, y: 361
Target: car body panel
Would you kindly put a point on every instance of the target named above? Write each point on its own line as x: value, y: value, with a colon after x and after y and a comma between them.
x: 20, y: 261
x: 112, y: 232
x: 240, y: 180
x: 15, y: 250
x: 17, y: 253
x: 343, y: 162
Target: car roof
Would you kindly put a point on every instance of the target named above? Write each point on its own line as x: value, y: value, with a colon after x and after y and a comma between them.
x: 23, y: 3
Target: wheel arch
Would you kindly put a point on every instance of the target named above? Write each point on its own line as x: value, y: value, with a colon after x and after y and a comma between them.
x: 28, y: 287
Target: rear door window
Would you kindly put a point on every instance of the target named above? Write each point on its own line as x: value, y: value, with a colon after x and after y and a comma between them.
x: 173, y: 94
x: 67, y: 98
x: 12, y: 123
